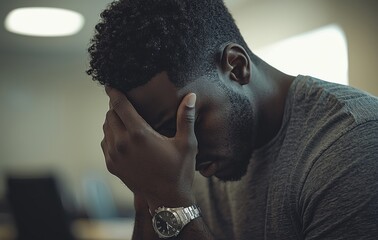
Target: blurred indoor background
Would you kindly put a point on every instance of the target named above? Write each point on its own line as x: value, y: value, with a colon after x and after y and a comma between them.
x: 52, y: 113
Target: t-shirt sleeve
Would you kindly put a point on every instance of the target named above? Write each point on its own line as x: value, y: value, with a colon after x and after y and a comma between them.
x: 339, y: 199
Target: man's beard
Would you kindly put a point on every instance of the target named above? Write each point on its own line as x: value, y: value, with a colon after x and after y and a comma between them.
x: 240, y: 138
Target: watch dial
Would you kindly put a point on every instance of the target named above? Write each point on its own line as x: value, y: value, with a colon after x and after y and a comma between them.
x: 166, y: 223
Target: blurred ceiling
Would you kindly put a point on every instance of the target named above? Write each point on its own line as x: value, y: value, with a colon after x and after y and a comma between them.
x: 11, y: 43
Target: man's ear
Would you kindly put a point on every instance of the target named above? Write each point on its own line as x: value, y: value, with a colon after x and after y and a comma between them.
x: 235, y: 63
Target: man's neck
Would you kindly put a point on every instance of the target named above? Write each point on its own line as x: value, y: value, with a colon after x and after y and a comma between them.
x: 270, y: 88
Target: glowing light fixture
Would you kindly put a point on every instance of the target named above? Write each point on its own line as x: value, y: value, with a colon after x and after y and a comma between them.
x: 44, y: 22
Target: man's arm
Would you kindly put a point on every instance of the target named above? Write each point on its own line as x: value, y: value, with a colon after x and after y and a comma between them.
x: 159, y: 169
x: 143, y: 221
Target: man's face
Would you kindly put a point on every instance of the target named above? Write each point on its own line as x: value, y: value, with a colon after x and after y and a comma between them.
x: 223, y: 127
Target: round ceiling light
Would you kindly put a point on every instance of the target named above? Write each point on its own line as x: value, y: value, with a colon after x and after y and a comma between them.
x: 44, y: 22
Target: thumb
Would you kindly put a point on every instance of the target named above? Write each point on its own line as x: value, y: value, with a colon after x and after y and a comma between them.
x: 186, y: 117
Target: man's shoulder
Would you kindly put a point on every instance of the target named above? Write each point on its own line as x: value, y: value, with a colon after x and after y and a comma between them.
x: 327, y: 97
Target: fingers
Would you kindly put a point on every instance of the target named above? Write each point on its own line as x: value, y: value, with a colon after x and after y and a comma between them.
x: 186, y: 118
x: 112, y: 127
x: 124, y: 109
x: 108, y: 160
x: 114, y: 122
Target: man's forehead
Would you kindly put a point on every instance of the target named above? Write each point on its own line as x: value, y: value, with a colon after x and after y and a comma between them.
x: 156, y: 98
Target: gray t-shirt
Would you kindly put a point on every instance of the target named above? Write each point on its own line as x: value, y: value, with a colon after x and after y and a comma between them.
x: 317, y: 179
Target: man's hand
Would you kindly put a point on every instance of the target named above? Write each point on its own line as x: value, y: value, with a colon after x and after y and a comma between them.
x: 158, y: 168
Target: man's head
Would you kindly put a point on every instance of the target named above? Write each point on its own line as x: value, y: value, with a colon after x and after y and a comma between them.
x: 136, y: 39
x: 156, y: 51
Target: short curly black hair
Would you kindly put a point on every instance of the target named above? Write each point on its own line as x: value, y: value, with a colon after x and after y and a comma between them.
x: 136, y: 39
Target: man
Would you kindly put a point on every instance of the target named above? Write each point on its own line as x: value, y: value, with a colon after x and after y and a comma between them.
x: 284, y: 157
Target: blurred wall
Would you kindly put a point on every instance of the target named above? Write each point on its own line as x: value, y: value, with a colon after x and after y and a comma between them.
x: 52, y: 116
x: 265, y: 22
x: 52, y: 113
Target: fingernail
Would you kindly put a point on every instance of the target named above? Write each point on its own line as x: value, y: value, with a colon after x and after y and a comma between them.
x: 191, y: 102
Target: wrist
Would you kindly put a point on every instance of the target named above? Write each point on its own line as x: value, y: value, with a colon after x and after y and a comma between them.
x: 171, y: 202
x: 140, y: 204
x: 169, y: 222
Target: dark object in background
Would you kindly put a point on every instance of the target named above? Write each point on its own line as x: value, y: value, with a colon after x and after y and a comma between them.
x: 37, y: 209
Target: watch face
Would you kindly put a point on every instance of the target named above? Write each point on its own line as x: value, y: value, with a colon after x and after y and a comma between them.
x: 166, y: 224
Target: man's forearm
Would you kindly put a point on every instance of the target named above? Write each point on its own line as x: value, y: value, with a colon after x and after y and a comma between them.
x: 197, y: 229
x: 143, y: 227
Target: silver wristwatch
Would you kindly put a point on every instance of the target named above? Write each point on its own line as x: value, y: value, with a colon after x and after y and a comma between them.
x: 168, y: 222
